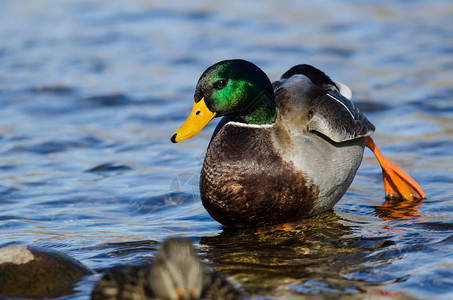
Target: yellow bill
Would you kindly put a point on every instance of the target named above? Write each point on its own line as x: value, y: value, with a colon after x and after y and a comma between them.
x: 198, y: 118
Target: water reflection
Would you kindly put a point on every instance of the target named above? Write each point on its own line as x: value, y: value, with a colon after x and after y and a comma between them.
x: 320, y: 255
x: 398, y: 209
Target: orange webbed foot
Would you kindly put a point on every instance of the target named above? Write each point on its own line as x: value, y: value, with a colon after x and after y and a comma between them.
x: 397, y: 183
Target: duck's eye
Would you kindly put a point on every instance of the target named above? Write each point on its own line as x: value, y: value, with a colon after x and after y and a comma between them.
x: 220, y: 84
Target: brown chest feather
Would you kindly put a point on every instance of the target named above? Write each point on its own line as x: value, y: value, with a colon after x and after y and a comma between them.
x: 244, y: 182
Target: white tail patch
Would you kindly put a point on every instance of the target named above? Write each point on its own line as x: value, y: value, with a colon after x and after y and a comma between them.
x: 344, y: 90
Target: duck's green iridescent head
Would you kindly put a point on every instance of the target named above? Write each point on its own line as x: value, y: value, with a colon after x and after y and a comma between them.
x: 234, y: 88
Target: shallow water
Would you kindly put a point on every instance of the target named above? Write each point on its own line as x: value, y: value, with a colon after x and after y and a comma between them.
x: 92, y: 90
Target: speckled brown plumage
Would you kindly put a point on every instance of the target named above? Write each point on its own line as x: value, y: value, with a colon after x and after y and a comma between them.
x: 125, y: 282
x: 249, y: 184
x: 175, y: 274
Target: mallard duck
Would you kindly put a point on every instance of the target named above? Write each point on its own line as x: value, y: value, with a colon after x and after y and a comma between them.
x: 283, y: 151
x: 175, y: 274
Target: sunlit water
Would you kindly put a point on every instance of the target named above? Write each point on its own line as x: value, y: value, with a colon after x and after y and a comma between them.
x: 91, y: 91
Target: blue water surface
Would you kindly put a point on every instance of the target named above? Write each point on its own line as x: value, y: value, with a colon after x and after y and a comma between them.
x: 91, y: 91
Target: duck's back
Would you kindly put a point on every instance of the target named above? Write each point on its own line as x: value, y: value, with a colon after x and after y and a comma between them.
x: 322, y: 133
x: 306, y: 107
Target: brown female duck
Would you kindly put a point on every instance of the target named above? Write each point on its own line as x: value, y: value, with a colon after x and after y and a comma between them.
x: 176, y: 273
x: 283, y: 151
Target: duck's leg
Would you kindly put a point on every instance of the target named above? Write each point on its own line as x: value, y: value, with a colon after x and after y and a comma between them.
x: 397, y: 183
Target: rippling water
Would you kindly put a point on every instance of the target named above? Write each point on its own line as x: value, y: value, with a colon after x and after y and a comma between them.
x: 91, y: 91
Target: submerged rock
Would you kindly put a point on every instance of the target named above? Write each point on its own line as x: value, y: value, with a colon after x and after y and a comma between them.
x: 176, y: 273
x: 28, y: 271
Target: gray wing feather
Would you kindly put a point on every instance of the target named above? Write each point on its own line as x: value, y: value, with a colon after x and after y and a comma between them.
x: 304, y: 106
